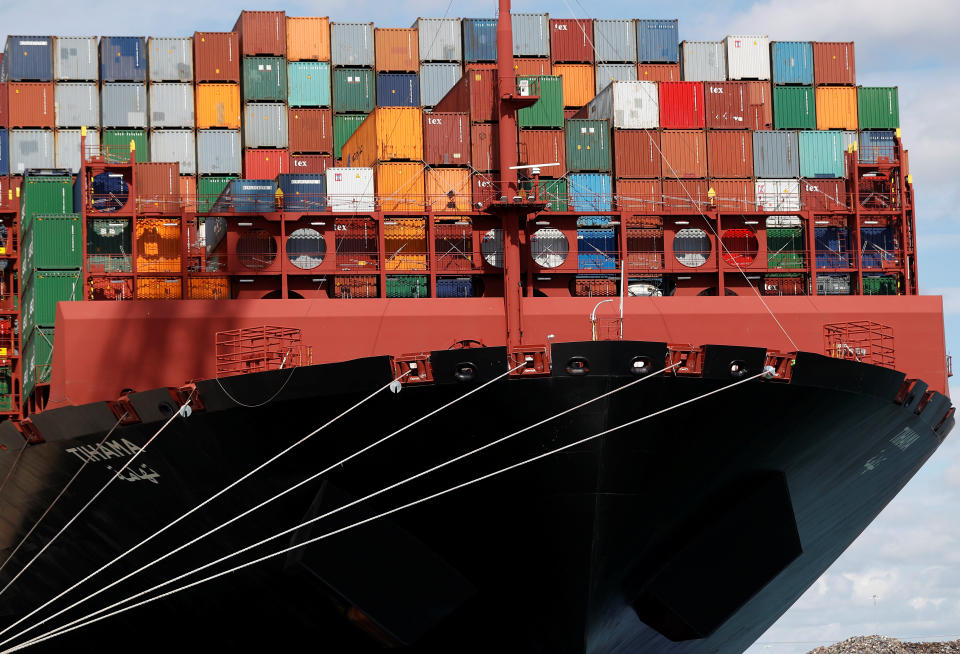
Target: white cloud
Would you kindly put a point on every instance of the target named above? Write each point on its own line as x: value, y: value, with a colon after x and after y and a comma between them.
x: 872, y: 584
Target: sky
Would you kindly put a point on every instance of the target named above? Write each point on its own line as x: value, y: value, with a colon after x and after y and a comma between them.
x: 901, y: 578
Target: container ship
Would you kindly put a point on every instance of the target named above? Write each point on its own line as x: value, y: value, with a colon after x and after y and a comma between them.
x: 528, y: 333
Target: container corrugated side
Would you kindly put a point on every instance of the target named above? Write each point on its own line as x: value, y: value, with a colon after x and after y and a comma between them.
x: 704, y: 61
x: 748, y: 57
x: 310, y: 130
x: 158, y: 187
x: 684, y: 153
x: 209, y: 189
x: 388, y: 134
x: 308, y: 84
x: 571, y: 40
x: 578, y: 83
x: 448, y: 189
x: 396, y: 50
x: 759, y: 106
x: 262, y: 33
x: 446, y: 139
x: 264, y: 78
x: 681, y: 105
x: 440, y: 39
x: 726, y: 105
x: 588, y: 145
x: 878, y: 107
x: 836, y: 107
x: 308, y: 38
x: 350, y: 190
x: 123, y: 104
x: 303, y: 192
x: 219, y: 152
x: 776, y: 154
x: 778, y: 194
x: 627, y: 105
x: 4, y: 165
x: 31, y: 148
x: 607, y: 73
x: 351, y: 44
x: 216, y: 57
x: 531, y: 35
x: 170, y: 59
x: 171, y: 105
x: 729, y: 154
x: 354, y: 90
x: 821, y: 154
x: 479, y: 39
x: 834, y: 63
x: 27, y: 58
x: 398, y: 90
x: 41, y: 295
x: 30, y: 104
x: 589, y: 192
x: 636, y: 153
x: 218, y: 105
x: 875, y: 145
x: 474, y: 93
x: 176, y: 145
x: 657, y: 41
x: 792, y: 62
x: 68, y: 148
x: 543, y: 146
x: 548, y: 110
x: 52, y: 242
x: 485, y: 146
x: 794, y: 107
x: 436, y: 80
x: 265, y: 125
x: 123, y: 59
x: 343, y: 128
x: 658, y: 72
x: 615, y: 40
x: 77, y: 104
x: 116, y: 140
x: 38, y: 358
x: 76, y: 58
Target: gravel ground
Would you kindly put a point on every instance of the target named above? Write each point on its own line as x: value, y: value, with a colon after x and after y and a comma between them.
x: 884, y: 645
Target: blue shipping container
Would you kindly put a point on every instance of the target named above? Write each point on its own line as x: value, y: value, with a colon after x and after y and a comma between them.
x: 455, y: 287
x: 479, y: 39
x: 247, y: 196
x: 596, y: 249
x: 589, y: 192
x: 28, y: 59
x: 792, y: 62
x: 878, y: 245
x: 108, y: 192
x: 658, y: 41
x: 4, y: 155
x: 832, y: 247
x: 123, y: 59
x: 821, y: 154
x: 303, y: 192
x: 308, y: 84
x: 876, y: 145
x: 398, y: 90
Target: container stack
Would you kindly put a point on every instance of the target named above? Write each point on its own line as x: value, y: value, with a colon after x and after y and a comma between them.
x: 354, y: 83
x: 310, y: 120
x: 27, y: 72
x: 76, y: 98
x: 124, y: 114
x: 441, y: 57
x: 172, y: 114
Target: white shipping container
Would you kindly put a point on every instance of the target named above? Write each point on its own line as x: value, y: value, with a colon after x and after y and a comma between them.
x: 703, y: 61
x: 615, y: 40
x: 627, y: 105
x: 31, y: 148
x: 748, y: 57
x: 350, y: 190
x: 76, y: 58
x: 171, y: 105
x: 778, y: 195
x: 439, y: 39
x: 171, y: 59
x: 436, y: 80
x: 77, y: 104
x: 123, y: 104
x: 68, y: 147
x: 531, y: 35
x: 219, y: 152
x: 607, y: 73
x: 351, y: 44
x: 176, y: 146
x: 265, y: 125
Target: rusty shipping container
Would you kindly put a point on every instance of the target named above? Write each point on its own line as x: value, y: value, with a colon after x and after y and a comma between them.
x: 734, y: 194
x: 31, y: 105
x: 315, y: 164
x: 571, y: 41
x: 399, y: 185
x: 834, y: 63
x: 218, y: 105
x: 639, y: 194
x: 262, y: 33
x: 823, y: 194
x: 729, y: 153
x: 759, y: 106
x: 387, y: 134
x: 4, y: 105
x: 396, y: 50
x: 485, y: 146
x: 310, y: 130
x: 658, y: 72
x: 684, y: 153
x: 308, y: 38
x: 726, y: 105
x: 688, y: 196
x: 446, y: 139
x: 836, y: 107
x: 448, y: 189
x: 216, y: 57
x: 188, y: 193
x: 636, y: 153
x: 681, y: 105
x: 158, y: 188
x: 542, y: 146
x: 578, y: 83
x: 474, y: 94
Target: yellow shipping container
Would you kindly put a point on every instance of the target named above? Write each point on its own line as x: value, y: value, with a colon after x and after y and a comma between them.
x: 218, y: 105
x: 387, y: 134
x: 405, y: 244
x: 399, y: 186
x: 159, y: 288
x: 441, y: 182
x: 308, y: 39
x: 578, y: 84
x: 836, y: 107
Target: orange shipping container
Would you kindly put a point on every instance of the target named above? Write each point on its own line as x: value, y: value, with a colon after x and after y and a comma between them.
x: 639, y: 194
x: 636, y: 153
x: 684, y: 153
x: 397, y: 50
x: 399, y: 186
x: 30, y: 105
x: 734, y: 194
x: 836, y: 107
x: 405, y: 244
x: 658, y: 72
x: 685, y: 196
x: 159, y: 288
x: 448, y: 189
x: 730, y: 153
x: 308, y: 39
x: 387, y: 134
x: 218, y: 105
x: 485, y: 146
x: 531, y: 66
x: 208, y: 288
x: 158, y: 245
x: 188, y: 193
x: 578, y: 84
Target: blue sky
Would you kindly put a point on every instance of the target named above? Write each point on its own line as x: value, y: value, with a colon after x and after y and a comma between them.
x: 910, y: 557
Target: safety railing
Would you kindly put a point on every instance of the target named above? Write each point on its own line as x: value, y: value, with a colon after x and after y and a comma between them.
x: 109, y: 263
x: 258, y: 349
x: 864, y: 341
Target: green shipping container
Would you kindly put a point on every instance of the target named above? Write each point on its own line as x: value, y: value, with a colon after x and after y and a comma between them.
x: 41, y: 294
x: 343, y: 129
x: 878, y: 107
x: 42, y: 194
x: 794, y: 107
x: 6, y: 389
x: 548, y: 110
x: 554, y: 191
x: 785, y: 247
x: 209, y: 189
x: 406, y: 286
x: 264, y: 78
x: 354, y: 90
x: 118, y: 140
x: 880, y: 285
x: 588, y: 145
x: 51, y: 242
x: 309, y: 83
x: 37, y: 359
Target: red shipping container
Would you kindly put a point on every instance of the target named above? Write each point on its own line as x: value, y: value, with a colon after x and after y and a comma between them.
x: 216, y: 57
x: 681, y: 105
x: 730, y: 153
x: 30, y: 104
x: 9, y: 197
x: 3, y: 105
x: 310, y: 130
x: 541, y: 146
x: 792, y: 285
x: 262, y: 33
x: 571, y: 113
x: 759, y: 105
x: 636, y: 153
x: 188, y: 193
x: 485, y: 189
x: 644, y: 195
x: 532, y: 66
x: 686, y: 196
x: 158, y: 187
x: 734, y: 195
x: 571, y: 41
x: 684, y: 153
x: 475, y: 93
x: 823, y: 194
x: 485, y: 146
x: 726, y: 105
x: 446, y: 139
x: 658, y: 72
x: 265, y: 163
x: 312, y: 164
x: 834, y: 63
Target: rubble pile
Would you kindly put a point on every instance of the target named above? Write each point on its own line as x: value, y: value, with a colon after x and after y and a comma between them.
x: 885, y: 645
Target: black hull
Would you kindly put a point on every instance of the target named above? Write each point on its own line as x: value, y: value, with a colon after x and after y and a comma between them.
x: 690, y: 532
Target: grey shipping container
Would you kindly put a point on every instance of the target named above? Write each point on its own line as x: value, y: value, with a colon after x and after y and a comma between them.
x: 68, y: 147
x: 436, y: 80
x: 77, y: 104
x: 170, y: 59
x: 219, y: 152
x: 265, y: 125
x: 351, y: 44
x: 76, y: 58
x: 123, y: 104
x: 171, y: 105
x: 531, y: 35
x: 607, y: 73
x: 615, y: 40
x: 175, y: 146
x: 703, y: 61
x: 439, y: 39
x: 776, y: 154
x: 31, y: 148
